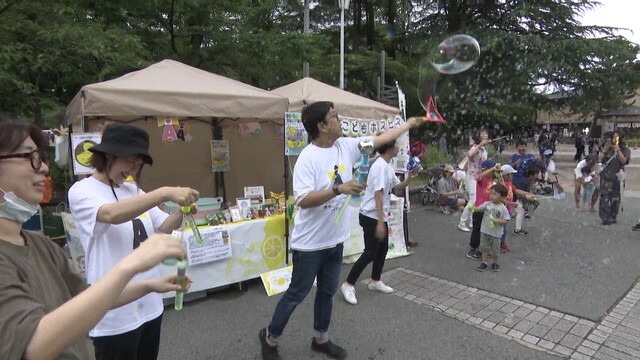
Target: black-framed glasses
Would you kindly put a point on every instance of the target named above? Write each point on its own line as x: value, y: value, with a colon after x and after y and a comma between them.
x: 35, y: 157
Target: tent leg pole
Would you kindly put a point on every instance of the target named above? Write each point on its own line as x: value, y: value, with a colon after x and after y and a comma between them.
x: 286, y: 196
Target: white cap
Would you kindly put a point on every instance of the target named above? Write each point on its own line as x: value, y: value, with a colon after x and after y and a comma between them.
x: 507, y: 169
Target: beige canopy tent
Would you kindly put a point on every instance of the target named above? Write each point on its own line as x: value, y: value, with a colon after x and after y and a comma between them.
x: 210, y: 106
x: 309, y: 90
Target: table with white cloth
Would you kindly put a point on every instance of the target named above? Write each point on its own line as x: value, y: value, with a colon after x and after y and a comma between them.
x: 257, y: 246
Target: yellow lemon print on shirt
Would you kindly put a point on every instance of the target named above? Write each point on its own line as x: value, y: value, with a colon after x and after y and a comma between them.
x: 273, y: 249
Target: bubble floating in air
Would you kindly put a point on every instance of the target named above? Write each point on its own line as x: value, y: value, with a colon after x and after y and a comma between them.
x: 456, y: 54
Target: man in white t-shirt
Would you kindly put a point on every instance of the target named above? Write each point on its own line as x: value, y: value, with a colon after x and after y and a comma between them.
x: 322, y: 179
x: 374, y: 219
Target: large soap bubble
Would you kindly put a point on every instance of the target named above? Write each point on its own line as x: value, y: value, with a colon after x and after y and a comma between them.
x: 455, y: 54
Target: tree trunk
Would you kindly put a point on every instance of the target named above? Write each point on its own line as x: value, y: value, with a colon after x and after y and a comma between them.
x: 37, y: 112
x: 391, y: 23
x: 370, y: 23
x: 356, y: 33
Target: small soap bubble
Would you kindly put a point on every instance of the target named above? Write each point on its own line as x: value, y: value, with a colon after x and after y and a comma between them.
x: 514, y: 282
x: 543, y: 297
x: 520, y: 265
x: 606, y: 261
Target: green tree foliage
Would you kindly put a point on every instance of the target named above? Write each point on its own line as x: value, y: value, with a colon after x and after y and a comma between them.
x: 48, y: 50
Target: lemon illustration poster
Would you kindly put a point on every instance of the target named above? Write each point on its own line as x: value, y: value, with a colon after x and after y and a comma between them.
x: 295, y: 136
x: 81, y: 143
x: 277, y: 281
x: 219, y: 155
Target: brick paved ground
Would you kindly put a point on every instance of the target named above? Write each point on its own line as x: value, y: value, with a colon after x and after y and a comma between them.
x: 616, y: 336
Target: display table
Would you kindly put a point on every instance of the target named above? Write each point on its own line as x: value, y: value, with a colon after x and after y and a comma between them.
x: 257, y: 246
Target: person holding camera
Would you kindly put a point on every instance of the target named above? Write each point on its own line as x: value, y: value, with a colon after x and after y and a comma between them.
x: 614, y: 158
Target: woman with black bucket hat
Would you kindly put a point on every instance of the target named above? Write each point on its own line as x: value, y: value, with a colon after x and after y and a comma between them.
x: 113, y: 217
x: 47, y: 308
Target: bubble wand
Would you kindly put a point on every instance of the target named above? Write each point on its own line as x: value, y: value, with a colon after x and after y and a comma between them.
x: 366, y: 149
x: 182, y: 281
x: 188, y: 217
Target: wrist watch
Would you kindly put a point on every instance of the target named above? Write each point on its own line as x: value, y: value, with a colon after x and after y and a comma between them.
x: 335, y: 189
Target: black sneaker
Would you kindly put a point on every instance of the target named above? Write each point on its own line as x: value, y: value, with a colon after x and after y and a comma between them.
x: 483, y: 267
x: 268, y: 352
x: 495, y: 267
x: 636, y: 227
x: 330, y: 349
x: 474, y: 254
x: 528, y: 217
x: 520, y: 232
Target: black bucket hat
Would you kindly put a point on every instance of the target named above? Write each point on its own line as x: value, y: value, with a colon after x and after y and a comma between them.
x: 123, y: 140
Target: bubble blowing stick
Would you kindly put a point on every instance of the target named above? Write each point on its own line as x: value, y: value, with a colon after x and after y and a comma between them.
x: 366, y: 149
x: 182, y: 281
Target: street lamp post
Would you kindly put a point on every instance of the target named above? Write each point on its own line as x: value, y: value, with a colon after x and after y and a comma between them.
x: 344, y: 5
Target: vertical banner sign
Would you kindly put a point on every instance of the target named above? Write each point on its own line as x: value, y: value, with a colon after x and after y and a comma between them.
x: 295, y: 136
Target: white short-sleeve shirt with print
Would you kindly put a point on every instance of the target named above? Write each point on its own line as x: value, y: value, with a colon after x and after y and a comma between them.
x: 318, y: 169
x: 381, y: 177
x: 106, y: 244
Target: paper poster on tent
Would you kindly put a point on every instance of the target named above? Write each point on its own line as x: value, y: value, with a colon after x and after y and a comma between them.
x: 295, y: 134
x: 277, y: 281
x: 219, y: 155
x: 346, y: 126
x: 398, y: 121
x: 382, y: 125
x: 216, y: 245
x: 364, y: 128
x: 355, y: 127
x: 80, y: 145
x: 373, y: 127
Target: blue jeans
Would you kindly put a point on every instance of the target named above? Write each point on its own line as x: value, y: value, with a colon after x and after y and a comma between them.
x: 307, y: 265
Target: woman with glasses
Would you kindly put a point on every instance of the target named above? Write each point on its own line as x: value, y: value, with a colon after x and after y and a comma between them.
x: 46, y: 308
x: 114, y: 217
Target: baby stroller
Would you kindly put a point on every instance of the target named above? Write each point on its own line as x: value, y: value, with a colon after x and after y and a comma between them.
x: 548, y: 179
x: 430, y: 191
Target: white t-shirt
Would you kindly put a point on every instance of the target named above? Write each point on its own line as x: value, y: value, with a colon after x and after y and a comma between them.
x: 106, y: 244
x: 317, y: 169
x: 381, y: 177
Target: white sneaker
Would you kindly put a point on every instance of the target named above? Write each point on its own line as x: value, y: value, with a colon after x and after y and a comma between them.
x: 463, y: 227
x: 349, y: 293
x: 380, y: 286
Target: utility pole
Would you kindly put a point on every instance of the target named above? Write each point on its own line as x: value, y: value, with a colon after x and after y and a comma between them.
x: 305, y: 65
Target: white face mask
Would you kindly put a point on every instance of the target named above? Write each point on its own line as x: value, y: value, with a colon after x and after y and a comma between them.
x: 16, y: 209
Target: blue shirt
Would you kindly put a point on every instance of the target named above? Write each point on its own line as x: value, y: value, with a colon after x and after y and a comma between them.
x: 525, y: 161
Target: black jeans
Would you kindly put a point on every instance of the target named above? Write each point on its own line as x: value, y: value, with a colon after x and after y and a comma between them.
x: 474, y: 241
x: 609, y: 199
x: 374, y: 250
x: 142, y: 343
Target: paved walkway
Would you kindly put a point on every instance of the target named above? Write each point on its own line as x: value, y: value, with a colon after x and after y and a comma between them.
x: 616, y: 336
